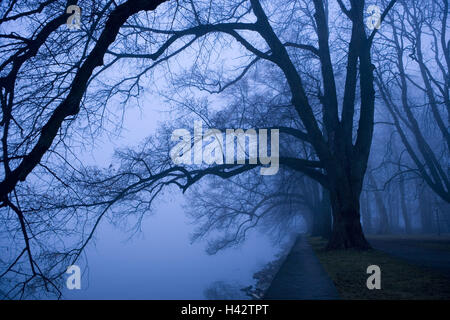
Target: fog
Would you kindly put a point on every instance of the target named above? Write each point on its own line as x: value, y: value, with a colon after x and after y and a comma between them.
x: 159, y: 262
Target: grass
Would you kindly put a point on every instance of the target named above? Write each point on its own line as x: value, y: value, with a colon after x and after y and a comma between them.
x: 399, y: 279
x: 424, y: 241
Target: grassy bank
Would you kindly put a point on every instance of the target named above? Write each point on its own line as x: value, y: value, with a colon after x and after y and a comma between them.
x: 399, y: 279
x: 426, y: 241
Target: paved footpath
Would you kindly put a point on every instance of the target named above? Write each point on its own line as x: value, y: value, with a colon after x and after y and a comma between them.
x: 302, y: 277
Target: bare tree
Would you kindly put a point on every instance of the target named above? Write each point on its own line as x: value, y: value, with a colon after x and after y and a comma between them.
x: 341, y: 152
x: 419, y: 76
x: 39, y: 69
x: 44, y: 73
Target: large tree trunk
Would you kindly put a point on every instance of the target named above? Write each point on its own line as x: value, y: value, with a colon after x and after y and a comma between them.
x: 347, y: 232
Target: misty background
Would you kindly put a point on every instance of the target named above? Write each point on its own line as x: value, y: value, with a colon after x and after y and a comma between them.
x: 159, y: 262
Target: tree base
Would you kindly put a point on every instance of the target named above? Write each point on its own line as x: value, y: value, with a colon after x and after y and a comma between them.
x: 348, y: 235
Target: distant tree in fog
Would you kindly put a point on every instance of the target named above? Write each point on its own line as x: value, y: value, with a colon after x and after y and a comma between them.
x: 414, y: 82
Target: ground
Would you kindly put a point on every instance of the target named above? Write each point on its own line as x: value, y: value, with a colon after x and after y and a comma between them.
x: 429, y: 251
x: 301, y: 276
x: 411, y: 268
